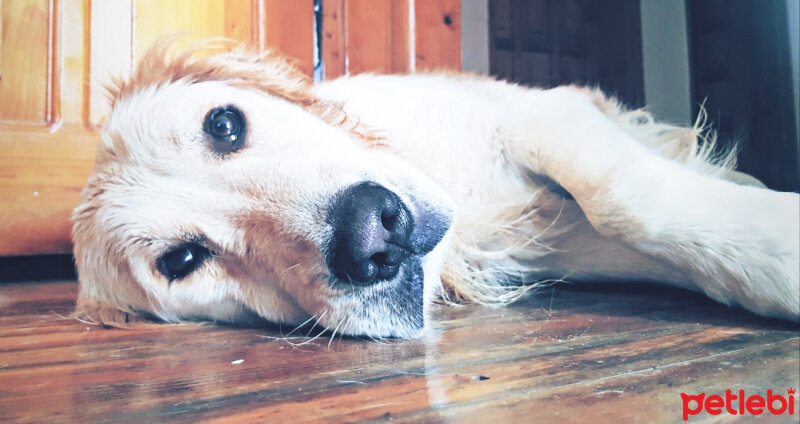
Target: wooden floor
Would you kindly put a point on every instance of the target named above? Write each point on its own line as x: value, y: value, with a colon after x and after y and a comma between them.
x: 569, y: 354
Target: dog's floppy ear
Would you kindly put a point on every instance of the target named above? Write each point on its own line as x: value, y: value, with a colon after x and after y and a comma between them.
x: 116, y: 302
x: 108, y: 294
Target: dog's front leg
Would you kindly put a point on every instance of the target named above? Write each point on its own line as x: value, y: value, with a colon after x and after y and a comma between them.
x: 740, y: 245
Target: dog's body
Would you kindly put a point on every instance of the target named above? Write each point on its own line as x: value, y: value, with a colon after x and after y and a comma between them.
x: 351, y: 201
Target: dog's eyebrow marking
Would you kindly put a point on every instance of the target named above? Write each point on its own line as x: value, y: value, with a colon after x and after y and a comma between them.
x: 140, y: 241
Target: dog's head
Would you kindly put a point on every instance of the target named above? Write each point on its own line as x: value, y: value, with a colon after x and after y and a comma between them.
x: 225, y: 190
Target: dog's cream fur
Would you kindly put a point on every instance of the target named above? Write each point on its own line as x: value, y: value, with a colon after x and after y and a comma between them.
x: 542, y: 185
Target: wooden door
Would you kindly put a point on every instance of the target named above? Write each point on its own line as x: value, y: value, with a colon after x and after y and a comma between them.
x: 56, y: 54
x: 390, y: 36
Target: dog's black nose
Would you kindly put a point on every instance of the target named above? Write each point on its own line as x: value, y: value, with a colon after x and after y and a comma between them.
x: 371, y: 234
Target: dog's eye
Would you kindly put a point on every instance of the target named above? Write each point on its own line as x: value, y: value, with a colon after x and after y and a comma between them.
x: 226, y: 128
x: 180, y: 261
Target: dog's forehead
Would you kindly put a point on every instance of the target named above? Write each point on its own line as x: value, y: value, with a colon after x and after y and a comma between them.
x: 159, y: 121
x: 155, y: 118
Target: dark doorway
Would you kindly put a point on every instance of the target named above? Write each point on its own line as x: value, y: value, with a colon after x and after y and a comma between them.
x: 552, y: 42
x: 740, y: 61
x: 739, y: 64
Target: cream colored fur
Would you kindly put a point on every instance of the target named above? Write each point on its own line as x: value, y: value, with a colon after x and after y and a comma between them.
x: 543, y: 185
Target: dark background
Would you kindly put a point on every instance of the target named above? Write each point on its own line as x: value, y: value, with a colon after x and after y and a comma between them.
x: 738, y: 57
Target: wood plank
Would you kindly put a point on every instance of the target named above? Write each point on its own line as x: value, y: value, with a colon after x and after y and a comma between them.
x: 437, y: 34
x: 25, y: 61
x: 240, y: 21
x: 639, y: 395
x: 376, y: 36
x: 613, y: 353
x: 400, y: 36
x: 365, y: 36
x: 290, y: 30
x: 334, y: 33
x: 74, y: 90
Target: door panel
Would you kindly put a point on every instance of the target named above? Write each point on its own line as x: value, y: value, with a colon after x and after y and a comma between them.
x: 437, y: 34
x: 24, y: 53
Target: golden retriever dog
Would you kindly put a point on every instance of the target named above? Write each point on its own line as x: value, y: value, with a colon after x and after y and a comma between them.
x: 230, y: 188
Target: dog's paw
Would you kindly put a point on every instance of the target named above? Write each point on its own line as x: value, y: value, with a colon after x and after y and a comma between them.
x: 773, y: 282
x: 756, y: 264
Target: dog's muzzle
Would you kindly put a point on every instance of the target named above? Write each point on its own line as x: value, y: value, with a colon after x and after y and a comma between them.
x: 374, y: 233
